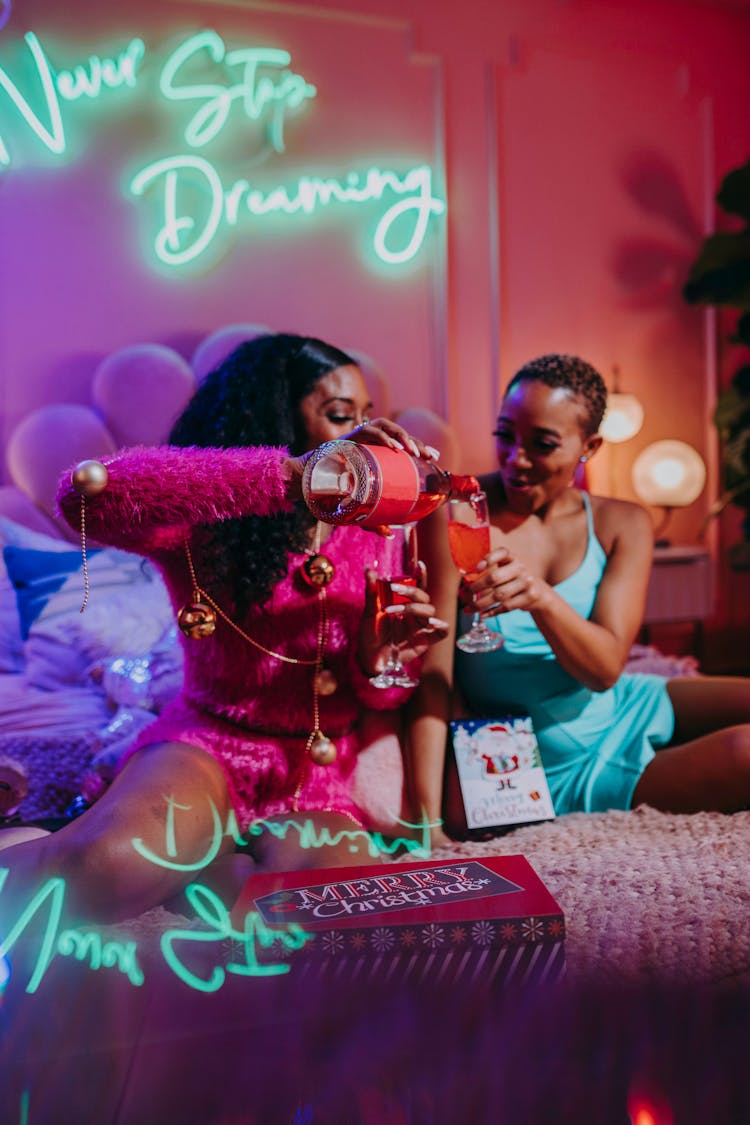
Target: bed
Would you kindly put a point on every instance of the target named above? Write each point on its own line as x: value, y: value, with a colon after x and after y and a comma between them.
x: 76, y: 687
x: 656, y: 905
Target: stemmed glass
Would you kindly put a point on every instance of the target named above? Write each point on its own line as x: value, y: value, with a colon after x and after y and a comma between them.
x: 469, y: 540
x: 406, y: 564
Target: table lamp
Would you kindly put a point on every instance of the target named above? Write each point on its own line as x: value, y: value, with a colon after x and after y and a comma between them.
x: 622, y: 420
x: 623, y: 417
x: 668, y: 475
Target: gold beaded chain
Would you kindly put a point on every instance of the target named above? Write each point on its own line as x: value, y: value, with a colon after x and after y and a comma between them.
x: 199, y: 618
x: 88, y: 478
x: 199, y: 594
x: 84, y: 557
x: 196, y: 620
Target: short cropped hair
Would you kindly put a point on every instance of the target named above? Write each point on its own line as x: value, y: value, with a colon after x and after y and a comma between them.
x: 575, y: 375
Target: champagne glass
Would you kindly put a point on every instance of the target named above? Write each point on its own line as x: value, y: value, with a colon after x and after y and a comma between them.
x: 469, y: 540
x: 406, y: 566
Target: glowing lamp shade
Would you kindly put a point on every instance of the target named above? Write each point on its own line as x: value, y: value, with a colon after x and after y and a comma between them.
x: 669, y: 474
x: 623, y: 419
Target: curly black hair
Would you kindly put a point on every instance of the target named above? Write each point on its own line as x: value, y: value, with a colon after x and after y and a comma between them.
x: 253, y: 398
x: 575, y: 375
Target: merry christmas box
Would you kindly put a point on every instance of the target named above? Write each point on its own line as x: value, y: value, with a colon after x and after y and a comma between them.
x: 489, y: 918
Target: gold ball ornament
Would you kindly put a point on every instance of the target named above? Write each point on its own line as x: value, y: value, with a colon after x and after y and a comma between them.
x: 89, y: 477
x: 325, y: 682
x: 317, y: 571
x: 196, y: 620
x: 321, y: 749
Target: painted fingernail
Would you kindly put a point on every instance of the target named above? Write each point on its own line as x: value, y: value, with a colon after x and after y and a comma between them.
x: 432, y: 452
x: 397, y: 443
x: 437, y: 623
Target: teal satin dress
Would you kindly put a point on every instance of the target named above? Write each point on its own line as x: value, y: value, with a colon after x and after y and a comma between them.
x: 594, y: 745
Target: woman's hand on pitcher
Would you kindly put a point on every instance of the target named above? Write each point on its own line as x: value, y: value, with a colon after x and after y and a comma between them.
x: 380, y: 431
x: 383, y: 431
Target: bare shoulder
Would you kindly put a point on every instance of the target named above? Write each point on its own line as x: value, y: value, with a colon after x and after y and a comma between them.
x: 618, y: 519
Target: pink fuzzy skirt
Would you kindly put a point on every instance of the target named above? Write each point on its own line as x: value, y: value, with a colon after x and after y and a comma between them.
x: 267, y: 774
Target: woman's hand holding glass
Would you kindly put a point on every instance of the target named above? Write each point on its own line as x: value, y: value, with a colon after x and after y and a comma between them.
x: 502, y: 583
x: 399, y: 623
x: 469, y: 540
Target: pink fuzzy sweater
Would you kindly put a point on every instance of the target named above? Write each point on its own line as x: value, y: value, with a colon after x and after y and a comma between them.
x: 250, y: 711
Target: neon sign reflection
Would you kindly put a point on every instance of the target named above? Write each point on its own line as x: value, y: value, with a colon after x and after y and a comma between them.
x: 87, y: 945
x: 308, y: 837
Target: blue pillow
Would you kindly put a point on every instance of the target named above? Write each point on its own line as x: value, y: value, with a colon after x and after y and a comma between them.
x: 48, y: 584
x: 38, y: 575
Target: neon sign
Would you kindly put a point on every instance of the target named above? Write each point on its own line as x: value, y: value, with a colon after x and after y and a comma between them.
x: 68, y: 85
x: 184, y: 237
x: 256, y: 90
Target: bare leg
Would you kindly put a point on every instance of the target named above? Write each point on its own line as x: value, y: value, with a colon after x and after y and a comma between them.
x: 155, y: 829
x: 9, y: 837
x: 706, y: 704
x: 707, y: 766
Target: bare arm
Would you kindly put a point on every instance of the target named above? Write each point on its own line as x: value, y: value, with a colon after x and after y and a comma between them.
x: 594, y: 651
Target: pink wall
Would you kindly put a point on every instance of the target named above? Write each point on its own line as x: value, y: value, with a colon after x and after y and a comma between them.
x: 578, y: 145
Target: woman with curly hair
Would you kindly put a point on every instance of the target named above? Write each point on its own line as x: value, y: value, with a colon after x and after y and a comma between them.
x: 281, y: 637
x: 565, y: 586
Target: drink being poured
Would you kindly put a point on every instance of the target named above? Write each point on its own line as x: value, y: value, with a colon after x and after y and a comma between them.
x: 371, y: 485
x: 468, y: 545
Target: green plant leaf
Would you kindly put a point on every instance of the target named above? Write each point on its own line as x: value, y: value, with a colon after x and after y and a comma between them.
x: 741, y: 334
x: 741, y: 381
x: 721, y: 275
x: 740, y: 495
x: 733, y: 195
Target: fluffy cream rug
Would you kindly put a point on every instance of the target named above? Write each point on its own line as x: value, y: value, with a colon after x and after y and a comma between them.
x: 645, y: 894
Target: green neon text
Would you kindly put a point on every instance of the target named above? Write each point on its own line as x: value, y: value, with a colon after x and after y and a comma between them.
x: 309, y: 837
x: 312, y: 837
x: 184, y: 235
x: 88, y: 946
x: 209, y: 908
x: 196, y: 206
x: 256, y: 92
x: 81, y: 944
x: 85, y: 80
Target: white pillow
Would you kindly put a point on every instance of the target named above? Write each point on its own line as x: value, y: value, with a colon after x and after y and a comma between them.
x: 128, y: 611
